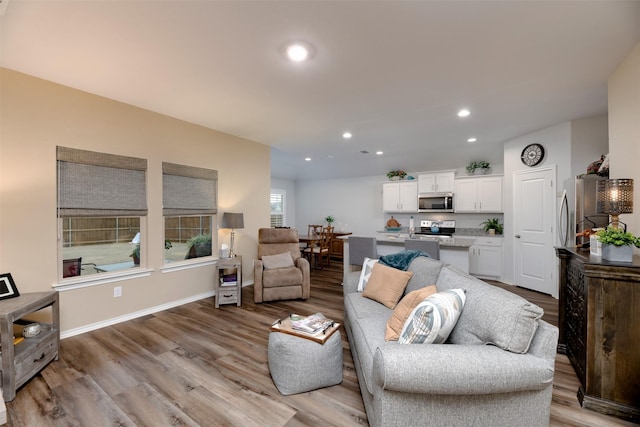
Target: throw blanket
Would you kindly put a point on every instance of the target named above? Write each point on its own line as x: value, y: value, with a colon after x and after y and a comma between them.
x: 401, y: 260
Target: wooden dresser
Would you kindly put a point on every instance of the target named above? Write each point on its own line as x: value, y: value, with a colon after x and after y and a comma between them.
x: 599, y: 322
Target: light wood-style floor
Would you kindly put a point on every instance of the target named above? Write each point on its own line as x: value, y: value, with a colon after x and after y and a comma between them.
x: 195, y: 365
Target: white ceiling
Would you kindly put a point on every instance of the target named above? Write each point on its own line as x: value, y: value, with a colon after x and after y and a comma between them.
x: 394, y: 73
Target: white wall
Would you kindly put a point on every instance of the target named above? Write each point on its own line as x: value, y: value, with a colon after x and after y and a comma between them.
x: 290, y: 199
x: 38, y: 115
x: 556, y: 141
x: 571, y: 146
x: 624, y: 130
x: 355, y: 203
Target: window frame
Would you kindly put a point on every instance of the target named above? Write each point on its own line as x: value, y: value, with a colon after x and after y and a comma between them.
x: 283, y: 194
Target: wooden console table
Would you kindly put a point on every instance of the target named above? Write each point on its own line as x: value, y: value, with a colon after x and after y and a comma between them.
x: 599, y: 322
x: 22, y: 361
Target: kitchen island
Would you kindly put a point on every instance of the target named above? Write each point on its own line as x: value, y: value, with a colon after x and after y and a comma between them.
x: 453, y: 250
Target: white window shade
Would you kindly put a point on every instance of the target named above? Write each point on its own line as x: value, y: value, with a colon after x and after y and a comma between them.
x: 188, y: 190
x: 99, y: 184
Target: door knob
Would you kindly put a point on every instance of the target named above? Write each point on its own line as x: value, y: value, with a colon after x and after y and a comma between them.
x: 517, y: 236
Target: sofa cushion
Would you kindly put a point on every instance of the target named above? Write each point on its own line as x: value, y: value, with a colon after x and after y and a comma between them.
x: 281, y: 277
x: 365, y: 273
x: 403, y: 310
x: 277, y: 261
x: 433, y: 319
x: 425, y: 272
x: 386, y: 285
x: 491, y: 315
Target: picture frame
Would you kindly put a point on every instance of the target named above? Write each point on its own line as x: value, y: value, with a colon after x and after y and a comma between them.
x: 8, y: 287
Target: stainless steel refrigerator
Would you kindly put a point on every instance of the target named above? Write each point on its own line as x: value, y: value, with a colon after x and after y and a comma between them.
x: 585, y: 216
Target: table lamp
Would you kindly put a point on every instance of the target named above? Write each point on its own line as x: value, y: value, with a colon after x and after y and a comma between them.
x: 232, y: 221
x: 615, y: 197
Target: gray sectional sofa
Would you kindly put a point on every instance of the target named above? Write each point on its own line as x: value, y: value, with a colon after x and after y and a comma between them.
x: 496, y: 368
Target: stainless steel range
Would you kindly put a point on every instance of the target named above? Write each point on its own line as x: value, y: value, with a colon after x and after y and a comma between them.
x: 437, y: 228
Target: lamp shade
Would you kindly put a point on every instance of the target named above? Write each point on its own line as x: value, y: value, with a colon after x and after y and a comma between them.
x: 615, y: 196
x: 232, y: 220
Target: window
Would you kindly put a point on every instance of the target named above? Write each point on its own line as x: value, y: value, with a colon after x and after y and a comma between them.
x: 278, y: 208
x: 189, y: 208
x: 101, y: 205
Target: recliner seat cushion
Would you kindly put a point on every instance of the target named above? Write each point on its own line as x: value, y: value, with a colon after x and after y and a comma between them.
x: 277, y: 277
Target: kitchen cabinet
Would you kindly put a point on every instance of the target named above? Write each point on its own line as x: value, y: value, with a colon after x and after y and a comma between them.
x: 478, y: 194
x: 436, y: 182
x: 400, y: 196
x: 485, y: 257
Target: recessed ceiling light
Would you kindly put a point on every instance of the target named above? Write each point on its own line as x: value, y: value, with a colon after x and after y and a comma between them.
x: 463, y: 113
x: 472, y: 139
x: 379, y: 153
x: 347, y: 135
x: 307, y: 159
x: 330, y: 156
x: 298, y: 52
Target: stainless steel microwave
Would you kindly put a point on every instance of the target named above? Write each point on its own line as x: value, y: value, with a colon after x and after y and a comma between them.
x: 441, y: 202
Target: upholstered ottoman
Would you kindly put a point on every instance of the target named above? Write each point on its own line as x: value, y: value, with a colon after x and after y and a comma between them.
x: 298, y: 364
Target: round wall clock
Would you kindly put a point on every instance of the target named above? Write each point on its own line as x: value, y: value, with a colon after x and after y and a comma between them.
x: 532, y: 154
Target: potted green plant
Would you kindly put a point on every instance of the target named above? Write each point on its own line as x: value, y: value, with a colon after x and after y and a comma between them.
x: 199, y: 246
x: 483, y: 167
x: 396, y: 174
x: 471, y: 167
x: 492, y: 226
x: 330, y: 219
x: 617, y: 245
x: 135, y: 254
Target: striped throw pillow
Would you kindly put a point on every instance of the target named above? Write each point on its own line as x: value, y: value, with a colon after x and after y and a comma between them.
x: 433, y: 319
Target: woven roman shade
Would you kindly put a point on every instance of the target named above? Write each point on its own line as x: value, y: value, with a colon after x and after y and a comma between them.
x: 92, y: 184
x: 188, y: 190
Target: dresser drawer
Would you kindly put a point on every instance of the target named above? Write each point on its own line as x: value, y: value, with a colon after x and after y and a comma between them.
x: 41, y: 350
x: 227, y: 295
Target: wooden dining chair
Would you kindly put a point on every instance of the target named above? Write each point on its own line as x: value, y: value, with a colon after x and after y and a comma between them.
x: 314, y: 230
x: 322, y: 249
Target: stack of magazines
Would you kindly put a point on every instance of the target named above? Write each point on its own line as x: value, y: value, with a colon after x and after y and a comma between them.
x: 311, y: 324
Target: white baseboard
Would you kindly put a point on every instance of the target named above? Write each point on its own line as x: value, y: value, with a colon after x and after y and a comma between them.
x: 134, y: 315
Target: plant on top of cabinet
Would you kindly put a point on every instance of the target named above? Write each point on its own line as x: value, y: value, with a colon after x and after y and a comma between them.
x: 492, y: 224
x: 400, y: 174
x: 482, y: 166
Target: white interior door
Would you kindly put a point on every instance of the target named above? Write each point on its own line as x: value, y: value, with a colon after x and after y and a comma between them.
x: 534, y: 224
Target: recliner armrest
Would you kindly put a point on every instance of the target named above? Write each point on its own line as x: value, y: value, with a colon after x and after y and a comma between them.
x: 258, y: 266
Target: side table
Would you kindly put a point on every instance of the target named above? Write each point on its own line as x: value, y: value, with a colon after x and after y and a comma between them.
x: 22, y: 361
x: 228, y: 281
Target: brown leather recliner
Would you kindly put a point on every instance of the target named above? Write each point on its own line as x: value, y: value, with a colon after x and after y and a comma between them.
x: 280, y: 283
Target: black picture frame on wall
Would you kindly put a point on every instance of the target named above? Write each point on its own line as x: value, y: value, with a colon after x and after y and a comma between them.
x: 8, y: 287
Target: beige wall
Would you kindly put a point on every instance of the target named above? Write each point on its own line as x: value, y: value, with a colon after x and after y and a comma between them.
x: 38, y: 115
x: 624, y: 129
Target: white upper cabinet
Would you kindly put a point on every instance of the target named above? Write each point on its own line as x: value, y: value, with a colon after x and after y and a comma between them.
x: 436, y: 182
x: 478, y: 194
x: 400, y: 196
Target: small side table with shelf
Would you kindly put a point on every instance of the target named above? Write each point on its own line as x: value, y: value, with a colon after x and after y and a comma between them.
x: 228, y: 281
x: 22, y: 361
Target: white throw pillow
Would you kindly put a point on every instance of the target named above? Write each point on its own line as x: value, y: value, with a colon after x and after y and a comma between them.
x: 433, y: 319
x: 277, y: 261
x: 365, y: 273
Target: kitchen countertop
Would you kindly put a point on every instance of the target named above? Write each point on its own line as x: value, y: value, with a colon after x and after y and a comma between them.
x: 399, y: 238
x: 460, y: 232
